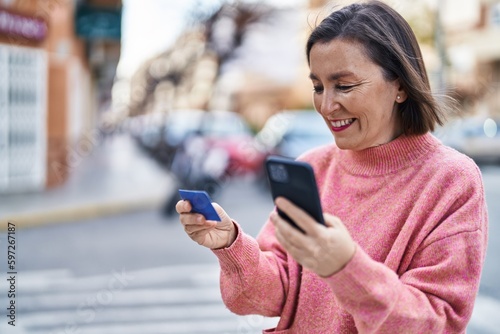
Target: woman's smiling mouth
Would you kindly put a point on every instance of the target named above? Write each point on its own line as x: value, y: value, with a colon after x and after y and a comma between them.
x: 341, y: 124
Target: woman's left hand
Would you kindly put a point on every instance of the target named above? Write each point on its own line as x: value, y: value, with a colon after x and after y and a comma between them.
x: 324, y: 250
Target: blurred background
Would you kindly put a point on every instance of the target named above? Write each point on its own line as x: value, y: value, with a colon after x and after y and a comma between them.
x: 107, y: 107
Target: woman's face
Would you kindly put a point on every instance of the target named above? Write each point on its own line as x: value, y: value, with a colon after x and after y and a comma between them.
x: 357, y: 103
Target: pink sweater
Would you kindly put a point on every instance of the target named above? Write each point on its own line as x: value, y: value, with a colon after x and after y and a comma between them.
x: 416, y: 210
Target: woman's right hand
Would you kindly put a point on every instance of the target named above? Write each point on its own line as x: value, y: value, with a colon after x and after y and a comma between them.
x: 208, y: 233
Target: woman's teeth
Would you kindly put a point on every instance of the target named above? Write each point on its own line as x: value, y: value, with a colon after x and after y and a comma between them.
x: 344, y: 122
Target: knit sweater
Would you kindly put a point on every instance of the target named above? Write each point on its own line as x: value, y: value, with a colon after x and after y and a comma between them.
x: 416, y: 210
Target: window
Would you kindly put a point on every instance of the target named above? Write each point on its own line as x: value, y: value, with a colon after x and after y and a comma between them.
x: 23, y: 137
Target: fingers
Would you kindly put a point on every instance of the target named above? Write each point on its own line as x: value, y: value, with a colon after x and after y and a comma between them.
x: 183, y: 207
x: 196, y: 226
x: 209, y: 233
x: 196, y: 219
x: 333, y: 221
x: 299, y: 216
x: 286, y: 233
x: 222, y: 214
x: 326, y: 252
x: 192, y: 222
x: 194, y: 230
x: 302, y: 247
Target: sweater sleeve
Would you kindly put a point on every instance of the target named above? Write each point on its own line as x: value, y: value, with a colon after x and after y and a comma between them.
x: 435, y: 294
x: 254, y: 274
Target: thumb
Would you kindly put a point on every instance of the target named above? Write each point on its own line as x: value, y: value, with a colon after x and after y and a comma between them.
x: 224, y: 217
x: 333, y: 221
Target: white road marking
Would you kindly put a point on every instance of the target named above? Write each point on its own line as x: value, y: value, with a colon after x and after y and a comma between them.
x: 125, y: 297
x: 125, y: 315
x: 62, y: 280
x: 153, y: 300
x: 233, y: 326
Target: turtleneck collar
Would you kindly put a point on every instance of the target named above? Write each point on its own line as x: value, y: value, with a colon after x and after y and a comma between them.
x: 388, y: 158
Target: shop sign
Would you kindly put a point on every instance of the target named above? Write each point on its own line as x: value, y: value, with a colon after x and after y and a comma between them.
x: 94, y: 23
x: 17, y: 25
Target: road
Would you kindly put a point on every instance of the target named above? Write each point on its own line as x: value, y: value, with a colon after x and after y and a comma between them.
x: 140, y: 273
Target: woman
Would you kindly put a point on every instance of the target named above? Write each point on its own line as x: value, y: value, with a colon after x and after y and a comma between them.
x: 406, y: 222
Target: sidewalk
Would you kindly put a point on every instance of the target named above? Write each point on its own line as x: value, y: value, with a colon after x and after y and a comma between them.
x: 116, y: 177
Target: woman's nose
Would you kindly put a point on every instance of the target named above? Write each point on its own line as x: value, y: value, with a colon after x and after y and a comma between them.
x: 329, y: 104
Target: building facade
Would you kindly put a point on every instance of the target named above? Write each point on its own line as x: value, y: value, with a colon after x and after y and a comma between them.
x: 474, y: 52
x: 53, y: 81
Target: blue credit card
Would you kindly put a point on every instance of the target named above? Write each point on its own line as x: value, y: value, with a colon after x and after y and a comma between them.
x: 200, y: 203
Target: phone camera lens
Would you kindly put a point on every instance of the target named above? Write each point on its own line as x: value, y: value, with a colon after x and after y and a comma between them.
x: 278, y: 173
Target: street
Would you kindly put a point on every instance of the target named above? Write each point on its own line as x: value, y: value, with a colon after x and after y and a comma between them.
x: 107, y: 108
x: 140, y: 273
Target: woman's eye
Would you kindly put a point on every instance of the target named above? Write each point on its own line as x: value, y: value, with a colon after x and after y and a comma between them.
x: 344, y: 88
x: 317, y: 89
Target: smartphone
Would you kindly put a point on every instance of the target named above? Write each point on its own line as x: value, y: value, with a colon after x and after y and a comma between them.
x: 295, y: 181
x: 200, y: 203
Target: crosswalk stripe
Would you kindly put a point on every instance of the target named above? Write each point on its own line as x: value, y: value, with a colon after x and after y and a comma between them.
x: 102, y: 298
x: 123, y: 315
x: 62, y: 280
x: 171, y: 299
x: 232, y: 326
x: 34, y: 275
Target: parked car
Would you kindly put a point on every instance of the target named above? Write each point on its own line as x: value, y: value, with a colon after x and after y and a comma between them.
x: 146, y: 130
x: 164, y: 135
x: 291, y: 133
x: 477, y: 137
x: 209, y: 150
x: 222, y: 130
x: 178, y: 127
x: 230, y: 132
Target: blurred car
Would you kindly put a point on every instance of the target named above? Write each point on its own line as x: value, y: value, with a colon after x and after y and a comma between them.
x: 182, y: 124
x: 178, y: 126
x: 208, y: 148
x: 163, y: 135
x: 477, y: 137
x: 146, y: 129
x: 213, y: 130
x: 230, y: 132
x: 293, y: 132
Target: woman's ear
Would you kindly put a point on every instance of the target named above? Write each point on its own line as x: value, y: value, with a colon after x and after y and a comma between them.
x: 401, y: 93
